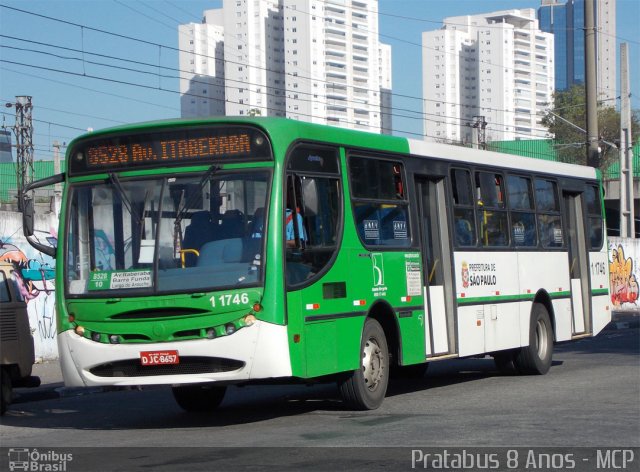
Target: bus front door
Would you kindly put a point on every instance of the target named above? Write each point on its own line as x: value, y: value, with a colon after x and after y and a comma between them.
x: 437, y: 274
x: 578, y: 268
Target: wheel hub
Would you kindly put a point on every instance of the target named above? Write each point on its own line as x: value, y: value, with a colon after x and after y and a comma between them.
x: 372, y: 364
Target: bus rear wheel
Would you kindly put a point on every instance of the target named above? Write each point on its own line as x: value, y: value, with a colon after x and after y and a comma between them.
x: 535, y: 359
x: 366, y: 387
x: 200, y: 397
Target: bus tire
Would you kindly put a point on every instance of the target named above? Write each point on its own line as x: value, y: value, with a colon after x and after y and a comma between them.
x: 5, y: 390
x: 535, y: 359
x: 506, y: 362
x: 200, y: 397
x: 366, y: 387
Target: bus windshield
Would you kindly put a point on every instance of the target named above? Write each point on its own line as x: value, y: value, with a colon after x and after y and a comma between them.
x: 166, y: 234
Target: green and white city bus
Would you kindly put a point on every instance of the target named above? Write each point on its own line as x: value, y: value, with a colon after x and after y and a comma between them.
x: 205, y: 253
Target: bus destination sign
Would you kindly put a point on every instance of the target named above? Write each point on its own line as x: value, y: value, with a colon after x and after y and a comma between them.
x: 169, y: 148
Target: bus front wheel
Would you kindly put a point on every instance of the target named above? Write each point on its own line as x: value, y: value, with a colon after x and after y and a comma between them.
x: 366, y: 387
x: 201, y: 397
x: 535, y: 359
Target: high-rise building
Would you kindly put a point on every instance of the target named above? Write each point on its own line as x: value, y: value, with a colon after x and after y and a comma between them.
x: 566, y: 21
x: 311, y: 60
x: 491, y: 71
x: 201, y: 59
x: 386, y: 95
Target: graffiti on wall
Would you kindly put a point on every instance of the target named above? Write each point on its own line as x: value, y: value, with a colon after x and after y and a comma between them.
x: 623, y: 282
x: 35, y: 279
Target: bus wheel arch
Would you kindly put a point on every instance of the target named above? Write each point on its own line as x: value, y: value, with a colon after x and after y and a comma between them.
x: 382, y: 312
x: 543, y: 297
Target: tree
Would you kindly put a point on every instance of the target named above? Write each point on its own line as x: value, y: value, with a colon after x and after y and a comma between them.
x: 571, y: 142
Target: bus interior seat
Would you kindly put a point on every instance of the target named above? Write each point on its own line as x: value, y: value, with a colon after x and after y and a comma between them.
x: 200, y: 231
x: 464, y: 232
x: 219, y: 252
x: 232, y: 225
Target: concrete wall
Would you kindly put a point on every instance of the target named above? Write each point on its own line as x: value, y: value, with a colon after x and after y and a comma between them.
x: 624, y: 257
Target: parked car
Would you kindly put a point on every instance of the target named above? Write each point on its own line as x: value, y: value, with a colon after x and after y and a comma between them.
x: 16, y: 342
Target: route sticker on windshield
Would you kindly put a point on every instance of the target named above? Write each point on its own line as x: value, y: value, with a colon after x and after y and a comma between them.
x: 117, y: 280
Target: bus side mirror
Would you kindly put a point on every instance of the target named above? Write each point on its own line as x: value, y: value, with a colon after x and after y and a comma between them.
x: 27, y: 216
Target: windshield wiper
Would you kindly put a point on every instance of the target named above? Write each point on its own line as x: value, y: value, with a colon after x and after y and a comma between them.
x: 195, y: 196
x: 115, y: 181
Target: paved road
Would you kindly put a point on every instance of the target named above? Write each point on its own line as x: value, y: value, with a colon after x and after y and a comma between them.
x: 590, y: 397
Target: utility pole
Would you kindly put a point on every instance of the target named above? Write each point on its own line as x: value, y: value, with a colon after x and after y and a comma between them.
x: 627, y: 216
x: 590, y: 79
x: 23, y: 129
x: 478, y: 136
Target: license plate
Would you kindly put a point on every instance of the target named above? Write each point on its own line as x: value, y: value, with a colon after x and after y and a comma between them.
x: 159, y: 357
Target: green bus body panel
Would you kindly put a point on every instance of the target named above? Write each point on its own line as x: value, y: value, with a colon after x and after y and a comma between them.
x: 330, y: 333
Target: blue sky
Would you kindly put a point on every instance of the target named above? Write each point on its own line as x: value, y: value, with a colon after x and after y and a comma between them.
x: 69, y: 97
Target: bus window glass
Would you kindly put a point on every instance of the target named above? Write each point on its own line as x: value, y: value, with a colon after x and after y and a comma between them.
x: 493, y: 219
x: 381, y: 220
x: 523, y: 222
x: 376, y: 179
x: 166, y: 234
x: 546, y: 196
x: 464, y: 223
x: 489, y: 189
x: 594, y: 214
x: 551, y: 234
x: 464, y: 227
x: 519, y: 191
x: 549, y: 218
x: 523, y: 227
x: 312, y: 212
x: 494, y: 228
x: 461, y: 187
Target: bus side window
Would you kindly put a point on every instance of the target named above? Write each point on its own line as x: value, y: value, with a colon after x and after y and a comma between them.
x: 594, y: 215
x: 464, y: 223
x: 523, y: 221
x: 312, y: 212
x: 548, y: 209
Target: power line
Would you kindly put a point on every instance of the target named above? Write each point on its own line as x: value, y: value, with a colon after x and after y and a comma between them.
x: 382, y: 107
x: 176, y: 49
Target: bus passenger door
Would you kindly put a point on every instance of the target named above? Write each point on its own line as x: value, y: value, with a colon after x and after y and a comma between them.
x: 578, y: 268
x: 437, y: 274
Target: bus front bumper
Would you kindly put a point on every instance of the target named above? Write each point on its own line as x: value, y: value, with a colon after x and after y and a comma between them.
x: 259, y: 351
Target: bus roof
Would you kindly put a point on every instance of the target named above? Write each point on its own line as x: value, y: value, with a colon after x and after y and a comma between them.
x: 283, y: 131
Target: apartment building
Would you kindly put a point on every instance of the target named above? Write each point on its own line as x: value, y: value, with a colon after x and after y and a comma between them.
x: 492, y: 71
x: 311, y: 60
x: 201, y: 62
